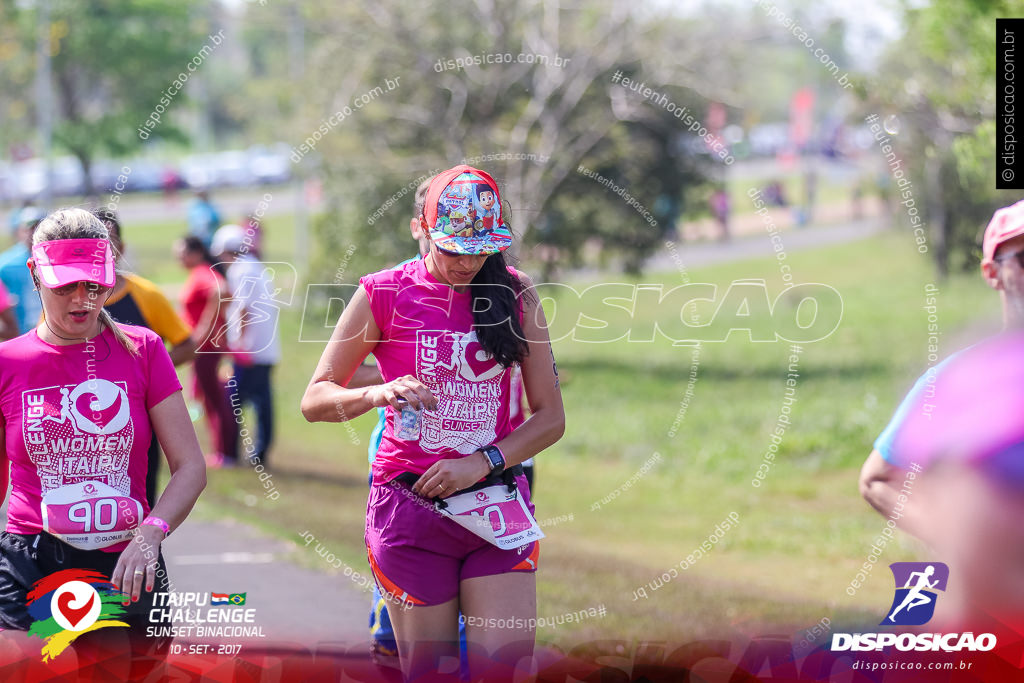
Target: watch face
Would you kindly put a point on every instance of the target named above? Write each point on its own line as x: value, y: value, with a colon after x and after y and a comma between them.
x: 494, y: 455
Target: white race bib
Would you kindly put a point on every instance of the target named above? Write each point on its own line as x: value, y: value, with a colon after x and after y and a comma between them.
x: 495, y: 514
x: 90, y: 515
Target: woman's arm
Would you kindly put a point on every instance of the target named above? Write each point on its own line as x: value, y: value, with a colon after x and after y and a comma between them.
x: 544, y: 427
x: 364, y: 376
x: 328, y: 398
x: 177, y: 438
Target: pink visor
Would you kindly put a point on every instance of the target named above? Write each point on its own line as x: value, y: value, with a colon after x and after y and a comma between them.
x: 61, y: 262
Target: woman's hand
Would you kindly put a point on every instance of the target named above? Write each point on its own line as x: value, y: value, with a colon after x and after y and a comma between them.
x: 407, y: 389
x: 447, y: 477
x: 137, y: 564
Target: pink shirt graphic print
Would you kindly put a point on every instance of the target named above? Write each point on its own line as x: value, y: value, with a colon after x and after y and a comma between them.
x: 427, y: 331
x: 77, y: 430
x: 468, y: 385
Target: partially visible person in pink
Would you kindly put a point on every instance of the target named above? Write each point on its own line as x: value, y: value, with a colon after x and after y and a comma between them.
x: 969, y: 445
x: 203, y: 309
x: 80, y: 397
x: 446, y: 332
x: 1002, y: 266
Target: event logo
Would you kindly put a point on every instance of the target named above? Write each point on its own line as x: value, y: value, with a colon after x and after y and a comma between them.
x: 916, y: 586
x: 70, y: 603
x: 99, y: 407
x: 913, y: 605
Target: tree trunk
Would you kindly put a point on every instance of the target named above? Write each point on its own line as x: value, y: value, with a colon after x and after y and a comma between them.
x: 938, y: 216
x: 85, y: 159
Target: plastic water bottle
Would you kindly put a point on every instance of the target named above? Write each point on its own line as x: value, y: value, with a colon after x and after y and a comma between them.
x: 408, y: 423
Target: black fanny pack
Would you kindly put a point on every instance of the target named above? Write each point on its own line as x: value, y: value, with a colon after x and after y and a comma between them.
x: 507, y: 477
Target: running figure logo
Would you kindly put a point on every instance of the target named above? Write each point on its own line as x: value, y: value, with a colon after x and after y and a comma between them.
x: 916, y: 586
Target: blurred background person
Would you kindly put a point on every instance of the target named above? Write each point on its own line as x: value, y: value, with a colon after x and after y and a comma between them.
x: 252, y: 227
x: 201, y: 305
x: 137, y: 301
x: 720, y: 209
x: 14, y: 220
x: 252, y: 318
x: 15, y: 275
x: 203, y: 217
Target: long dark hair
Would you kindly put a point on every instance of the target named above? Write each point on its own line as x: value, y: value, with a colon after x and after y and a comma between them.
x: 194, y: 244
x: 497, y: 302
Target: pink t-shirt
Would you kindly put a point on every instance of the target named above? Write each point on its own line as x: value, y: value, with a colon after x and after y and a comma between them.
x: 77, y: 428
x: 427, y: 332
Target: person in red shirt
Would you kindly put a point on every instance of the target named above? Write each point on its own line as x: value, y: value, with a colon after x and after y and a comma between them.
x: 202, y: 310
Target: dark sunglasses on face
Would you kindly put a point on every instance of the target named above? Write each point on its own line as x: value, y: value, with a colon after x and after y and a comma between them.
x: 449, y: 254
x: 1019, y: 255
x: 92, y: 288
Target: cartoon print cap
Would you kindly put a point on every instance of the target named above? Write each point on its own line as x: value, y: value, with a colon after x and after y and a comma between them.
x: 462, y: 209
x: 61, y: 262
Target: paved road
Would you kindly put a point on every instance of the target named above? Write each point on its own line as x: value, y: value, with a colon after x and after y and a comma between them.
x: 292, y: 603
x: 753, y: 245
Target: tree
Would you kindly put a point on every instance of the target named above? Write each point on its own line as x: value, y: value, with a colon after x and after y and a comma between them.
x: 530, y: 123
x: 112, y: 62
x: 934, y: 80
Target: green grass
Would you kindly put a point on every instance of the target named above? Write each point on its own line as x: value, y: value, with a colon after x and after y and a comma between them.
x: 802, y: 534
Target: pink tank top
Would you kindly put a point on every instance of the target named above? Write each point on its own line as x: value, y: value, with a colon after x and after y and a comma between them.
x: 427, y: 331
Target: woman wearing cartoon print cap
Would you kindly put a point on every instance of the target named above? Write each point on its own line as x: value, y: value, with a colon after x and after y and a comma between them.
x: 80, y: 397
x: 445, y: 332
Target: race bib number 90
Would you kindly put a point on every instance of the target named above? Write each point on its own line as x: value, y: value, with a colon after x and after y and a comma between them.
x: 495, y: 514
x: 90, y: 515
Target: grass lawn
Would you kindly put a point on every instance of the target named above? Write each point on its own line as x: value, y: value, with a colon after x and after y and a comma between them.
x: 801, y: 536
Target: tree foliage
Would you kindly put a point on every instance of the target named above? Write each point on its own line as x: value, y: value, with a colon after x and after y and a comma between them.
x: 111, y: 62
x: 531, y: 124
x: 939, y: 82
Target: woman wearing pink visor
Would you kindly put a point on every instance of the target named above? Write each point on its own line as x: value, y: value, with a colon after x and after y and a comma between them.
x: 80, y: 397
x: 449, y: 522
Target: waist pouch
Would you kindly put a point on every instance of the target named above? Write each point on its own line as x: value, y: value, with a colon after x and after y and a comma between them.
x: 507, y: 477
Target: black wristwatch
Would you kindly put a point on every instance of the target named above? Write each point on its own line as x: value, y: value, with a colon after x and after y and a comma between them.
x: 495, y: 457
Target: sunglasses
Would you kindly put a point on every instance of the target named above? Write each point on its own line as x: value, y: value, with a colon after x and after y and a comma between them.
x: 455, y: 254
x: 1019, y: 255
x: 92, y: 288
x: 449, y: 254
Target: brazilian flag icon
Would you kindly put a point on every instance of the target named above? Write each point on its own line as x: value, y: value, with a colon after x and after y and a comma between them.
x: 237, y: 598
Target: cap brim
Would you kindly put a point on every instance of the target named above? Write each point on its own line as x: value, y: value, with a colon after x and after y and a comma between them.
x: 492, y: 242
x: 57, y: 276
x: 61, y: 262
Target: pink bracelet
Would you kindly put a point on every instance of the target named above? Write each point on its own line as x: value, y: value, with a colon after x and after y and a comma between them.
x: 157, y: 522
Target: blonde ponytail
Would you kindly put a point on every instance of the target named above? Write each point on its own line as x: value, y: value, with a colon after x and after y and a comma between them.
x: 122, y: 338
